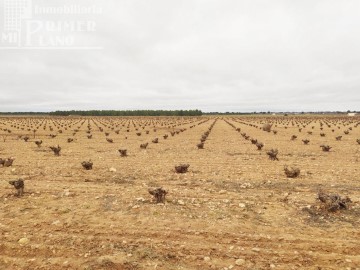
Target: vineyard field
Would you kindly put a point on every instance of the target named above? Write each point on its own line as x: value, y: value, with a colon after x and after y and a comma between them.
x: 234, y: 207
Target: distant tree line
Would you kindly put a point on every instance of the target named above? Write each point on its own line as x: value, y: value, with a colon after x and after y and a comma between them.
x: 158, y: 113
x: 129, y: 113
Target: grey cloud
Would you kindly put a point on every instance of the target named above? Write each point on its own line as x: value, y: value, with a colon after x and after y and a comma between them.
x: 212, y: 55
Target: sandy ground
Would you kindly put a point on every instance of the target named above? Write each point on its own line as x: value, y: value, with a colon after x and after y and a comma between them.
x: 233, y: 209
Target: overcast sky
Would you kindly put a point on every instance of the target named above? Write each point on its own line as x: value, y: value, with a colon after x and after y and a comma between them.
x: 213, y: 55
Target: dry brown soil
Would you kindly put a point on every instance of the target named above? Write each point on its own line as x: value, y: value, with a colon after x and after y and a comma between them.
x: 233, y: 209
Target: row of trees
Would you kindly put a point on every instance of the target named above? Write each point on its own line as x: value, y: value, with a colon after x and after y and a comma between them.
x: 129, y: 113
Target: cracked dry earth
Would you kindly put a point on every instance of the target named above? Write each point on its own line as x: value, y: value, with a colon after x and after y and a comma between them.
x: 233, y: 209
